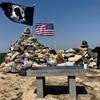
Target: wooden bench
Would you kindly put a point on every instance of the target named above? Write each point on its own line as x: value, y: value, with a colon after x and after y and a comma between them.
x: 70, y: 71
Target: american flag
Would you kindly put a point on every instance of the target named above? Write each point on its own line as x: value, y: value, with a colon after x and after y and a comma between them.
x: 44, y: 29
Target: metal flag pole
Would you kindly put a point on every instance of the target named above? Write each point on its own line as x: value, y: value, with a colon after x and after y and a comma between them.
x: 54, y: 40
x: 31, y: 29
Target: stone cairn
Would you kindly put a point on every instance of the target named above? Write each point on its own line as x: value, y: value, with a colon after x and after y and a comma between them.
x: 26, y: 52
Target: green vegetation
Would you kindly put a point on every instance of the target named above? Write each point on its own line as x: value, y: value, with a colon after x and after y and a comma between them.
x: 2, y: 57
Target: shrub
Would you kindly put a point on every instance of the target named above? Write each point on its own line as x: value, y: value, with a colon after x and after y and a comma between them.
x: 2, y: 57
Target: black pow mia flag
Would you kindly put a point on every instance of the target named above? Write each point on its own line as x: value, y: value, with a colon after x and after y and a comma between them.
x: 18, y: 13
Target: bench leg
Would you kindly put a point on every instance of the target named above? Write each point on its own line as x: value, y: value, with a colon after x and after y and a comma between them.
x: 40, y: 86
x: 72, y: 86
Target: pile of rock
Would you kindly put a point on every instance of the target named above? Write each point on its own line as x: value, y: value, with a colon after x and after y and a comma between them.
x: 26, y: 51
x: 83, y: 55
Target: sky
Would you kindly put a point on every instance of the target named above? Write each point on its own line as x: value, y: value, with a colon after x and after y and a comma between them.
x: 74, y: 21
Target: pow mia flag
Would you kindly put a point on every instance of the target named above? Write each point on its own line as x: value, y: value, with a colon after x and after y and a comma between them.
x: 18, y: 13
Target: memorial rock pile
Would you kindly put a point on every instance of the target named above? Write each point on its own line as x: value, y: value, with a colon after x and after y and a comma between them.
x: 83, y: 55
x: 80, y: 56
x: 26, y: 52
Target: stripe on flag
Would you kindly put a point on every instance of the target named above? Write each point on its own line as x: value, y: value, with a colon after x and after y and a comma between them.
x: 44, y: 29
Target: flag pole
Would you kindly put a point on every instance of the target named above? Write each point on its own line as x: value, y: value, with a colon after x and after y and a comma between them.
x: 54, y: 40
x: 31, y: 28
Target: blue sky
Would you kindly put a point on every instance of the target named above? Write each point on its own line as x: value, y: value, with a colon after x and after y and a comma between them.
x: 74, y: 21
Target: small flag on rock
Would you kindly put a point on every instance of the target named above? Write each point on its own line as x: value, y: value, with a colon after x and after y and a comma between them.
x: 44, y: 29
x: 18, y: 13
